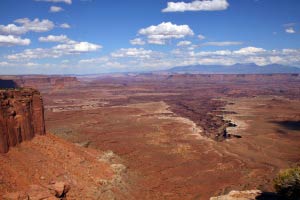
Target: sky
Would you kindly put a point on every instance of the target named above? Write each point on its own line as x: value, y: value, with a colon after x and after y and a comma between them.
x: 105, y: 36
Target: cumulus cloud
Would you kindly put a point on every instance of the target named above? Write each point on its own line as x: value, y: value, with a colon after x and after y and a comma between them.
x: 133, y: 58
x: 184, y: 43
x: 198, y: 5
x: 137, y: 41
x: 69, y: 48
x: 26, y: 25
x: 55, y: 9
x: 290, y: 30
x: 132, y: 52
x: 23, y: 64
x: 249, y: 51
x: 166, y: 30
x: 77, y: 47
x: 11, y: 40
x: 214, y: 53
x: 36, y: 25
x: 65, y: 25
x: 57, y: 1
x: 12, y: 29
x: 142, y: 59
x: 222, y: 44
x: 54, y: 38
x: 28, y: 54
x: 259, y: 56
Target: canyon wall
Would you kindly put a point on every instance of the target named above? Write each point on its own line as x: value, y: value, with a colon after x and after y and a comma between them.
x: 243, y: 78
x: 41, y: 82
x: 46, y: 82
x: 21, y: 116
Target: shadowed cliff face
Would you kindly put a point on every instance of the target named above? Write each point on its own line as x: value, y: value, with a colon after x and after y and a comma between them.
x: 21, y: 117
x: 7, y: 84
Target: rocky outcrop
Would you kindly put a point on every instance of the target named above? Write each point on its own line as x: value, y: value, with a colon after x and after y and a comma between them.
x: 54, y: 191
x: 21, y: 117
x: 240, y: 195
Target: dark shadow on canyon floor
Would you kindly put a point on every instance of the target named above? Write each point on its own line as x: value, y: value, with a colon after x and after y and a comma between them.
x: 291, y: 125
x: 268, y: 196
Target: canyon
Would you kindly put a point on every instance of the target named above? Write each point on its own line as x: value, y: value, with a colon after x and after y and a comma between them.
x: 36, y: 165
x: 160, y: 135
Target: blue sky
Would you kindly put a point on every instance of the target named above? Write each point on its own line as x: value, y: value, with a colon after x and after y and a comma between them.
x: 95, y: 36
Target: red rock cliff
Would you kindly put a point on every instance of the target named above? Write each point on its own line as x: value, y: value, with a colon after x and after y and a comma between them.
x: 21, y: 117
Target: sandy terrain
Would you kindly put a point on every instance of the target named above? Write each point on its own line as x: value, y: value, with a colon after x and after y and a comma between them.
x: 48, y: 159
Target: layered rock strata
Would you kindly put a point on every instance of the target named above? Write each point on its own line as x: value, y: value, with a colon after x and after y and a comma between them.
x: 21, y: 116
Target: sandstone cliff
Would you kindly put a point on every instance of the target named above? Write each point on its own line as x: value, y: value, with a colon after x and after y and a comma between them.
x: 46, y: 82
x: 39, y: 82
x: 21, y: 117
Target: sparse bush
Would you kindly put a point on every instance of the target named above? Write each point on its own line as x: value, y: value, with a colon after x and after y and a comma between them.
x: 287, y: 184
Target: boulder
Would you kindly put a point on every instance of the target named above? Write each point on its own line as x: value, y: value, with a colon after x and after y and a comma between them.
x: 60, y: 189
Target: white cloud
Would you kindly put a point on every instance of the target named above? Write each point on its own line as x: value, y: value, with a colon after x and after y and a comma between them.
x: 290, y: 30
x: 77, y: 47
x: 12, y: 29
x: 276, y: 59
x: 26, y: 25
x: 54, y: 38
x: 289, y: 51
x: 23, y: 64
x: 142, y: 59
x: 65, y: 25
x: 249, y: 51
x: 197, y: 5
x: 184, y: 43
x: 55, y: 9
x: 133, y: 52
x: 214, y: 53
x: 57, y: 1
x: 94, y: 60
x: 69, y: 48
x: 288, y: 57
x: 10, y: 40
x: 28, y: 54
x: 137, y: 41
x: 164, y: 31
x: 259, y: 60
x: 31, y: 64
x: 222, y: 44
x: 36, y: 25
x: 201, y: 37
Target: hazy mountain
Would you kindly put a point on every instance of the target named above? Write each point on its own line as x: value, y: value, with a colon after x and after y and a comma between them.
x: 250, y: 68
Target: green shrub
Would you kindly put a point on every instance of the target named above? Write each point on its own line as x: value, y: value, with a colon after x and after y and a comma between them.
x: 287, y: 184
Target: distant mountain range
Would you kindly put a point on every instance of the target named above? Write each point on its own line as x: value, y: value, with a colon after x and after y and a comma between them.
x: 250, y: 68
